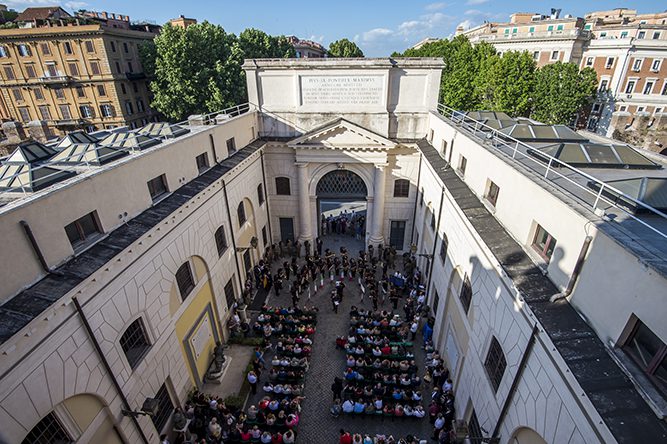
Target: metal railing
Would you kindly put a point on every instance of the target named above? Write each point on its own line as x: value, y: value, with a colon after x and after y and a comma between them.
x: 593, y: 194
x: 214, y: 118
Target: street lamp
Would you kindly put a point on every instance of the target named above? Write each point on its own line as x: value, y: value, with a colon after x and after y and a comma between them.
x: 148, y: 408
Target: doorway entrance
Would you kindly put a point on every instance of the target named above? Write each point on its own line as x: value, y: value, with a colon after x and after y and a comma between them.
x: 341, y: 205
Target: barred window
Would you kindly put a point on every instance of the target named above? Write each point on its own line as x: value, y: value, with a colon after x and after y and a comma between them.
x: 48, y: 431
x: 283, y: 186
x: 164, y: 408
x: 157, y: 186
x: 466, y: 294
x: 221, y: 240
x: 184, y: 280
x: 443, y: 247
x: 202, y: 162
x: 495, y: 363
x: 401, y: 188
x: 135, y: 343
x: 229, y: 293
x: 240, y: 211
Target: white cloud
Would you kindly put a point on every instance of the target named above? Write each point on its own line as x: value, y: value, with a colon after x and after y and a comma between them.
x: 435, y: 6
x: 465, y: 24
x: 19, y: 5
x: 476, y: 2
x: 316, y: 38
x: 76, y: 5
x: 376, y: 34
x: 474, y: 12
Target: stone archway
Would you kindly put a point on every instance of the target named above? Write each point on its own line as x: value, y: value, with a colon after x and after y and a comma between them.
x: 341, y: 192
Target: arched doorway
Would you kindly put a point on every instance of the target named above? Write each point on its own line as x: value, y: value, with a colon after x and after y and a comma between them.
x: 341, y: 204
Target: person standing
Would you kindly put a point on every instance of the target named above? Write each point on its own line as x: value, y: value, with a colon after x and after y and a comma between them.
x: 335, y: 300
x: 414, y: 327
x: 319, y: 246
x: 252, y: 379
x: 337, y: 388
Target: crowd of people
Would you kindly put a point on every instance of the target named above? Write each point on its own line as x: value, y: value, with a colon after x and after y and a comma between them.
x: 345, y: 223
x: 358, y: 438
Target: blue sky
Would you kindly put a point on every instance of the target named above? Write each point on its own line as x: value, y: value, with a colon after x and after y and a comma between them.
x: 378, y: 27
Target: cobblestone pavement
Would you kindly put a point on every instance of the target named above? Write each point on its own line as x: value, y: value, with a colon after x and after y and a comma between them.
x: 317, y: 425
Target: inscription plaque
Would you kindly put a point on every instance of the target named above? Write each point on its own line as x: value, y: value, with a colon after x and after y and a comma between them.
x: 342, y: 90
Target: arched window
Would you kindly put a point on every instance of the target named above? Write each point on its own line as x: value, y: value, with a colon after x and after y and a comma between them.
x: 240, y: 211
x: 221, y: 240
x: 134, y: 342
x: 401, y: 188
x: 260, y: 194
x: 495, y: 363
x: 283, y: 186
x: 466, y: 294
x: 48, y: 430
x: 185, y: 280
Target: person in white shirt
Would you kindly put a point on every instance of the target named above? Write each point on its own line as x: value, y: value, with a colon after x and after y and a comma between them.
x: 348, y: 406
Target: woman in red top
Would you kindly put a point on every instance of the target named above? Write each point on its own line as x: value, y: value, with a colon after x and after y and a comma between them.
x: 345, y: 437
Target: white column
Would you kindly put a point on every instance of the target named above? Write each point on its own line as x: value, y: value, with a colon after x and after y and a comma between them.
x: 305, y: 229
x: 377, y: 236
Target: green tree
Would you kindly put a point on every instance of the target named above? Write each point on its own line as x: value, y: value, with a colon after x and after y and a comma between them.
x: 561, y: 90
x: 508, y: 83
x: 257, y: 44
x: 344, y: 48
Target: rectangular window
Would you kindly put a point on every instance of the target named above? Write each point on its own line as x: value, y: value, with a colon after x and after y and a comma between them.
x: 515, y: 30
x: 630, y: 88
x: 610, y: 62
x: 80, y: 92
x: 129, y: 109
x: 531, y: 29
x: 495, y: 364
x: 95, y: 68
x: 118, y: 68
x: 106, y: 110
x: 83, y: 231
x: 18, y: 94
x: 648, y: 87
x: 550, y: 28
x: 24, y: 51
x: 507, y: 31
x: 475, y: 433
x: 25, y: 114
x: 125, y: 47
x: 113, y: 46
x: 640, y: 109
x: 184, y: 280
x: 559, y: 28
x: 67, y: 46
x: 554, y: 55
x: 202, y: 162
x: 283, y: 186
x: 9, y: 73
x: 656, y: 35
x: 436, y: 300
x: 101, y: 91
x: 544, y: 243
x: 444, y: 244
x: 536, y: 55
x: 397, y: 234
x: 30, y: 71
x: 44, y: 112
x: 231, y: 145
x: 86, y: 111
x: 46, y: 49
x: 641, y: 35
x: 260, y: 194
x: 492, y: 191
x: 129, y: 67
x: 603, y: 35
x: 604, y: 85
x: 463, y: 163
x: 135, y: 87
x: 655, y: 66
x: 134, y: 343
x: 157, y: 186
x: 589, y: 61
x: 624, y: 34
x: 140, y: 106
x: 230, y: 297
x: 90, y: 46
x: 65, y: 112
x: 73, y: 69
x: 637, y: 64
x: 664, y: 89
x: 50, y: 70
x: 3, y: 52
x: 60, y: 94
x: 164, y: 410
x: 401, y: 188
x: 650, y: 353
x: 265, y: 239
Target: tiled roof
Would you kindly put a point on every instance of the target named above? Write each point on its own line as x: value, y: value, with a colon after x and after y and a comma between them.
x: 41, y: 13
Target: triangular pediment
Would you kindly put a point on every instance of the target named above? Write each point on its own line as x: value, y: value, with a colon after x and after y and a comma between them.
x: 342, y: 134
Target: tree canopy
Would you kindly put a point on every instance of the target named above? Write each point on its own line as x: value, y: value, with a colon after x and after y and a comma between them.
x: 344, y: 48
x: 198, y: 69
x: 477, y: 78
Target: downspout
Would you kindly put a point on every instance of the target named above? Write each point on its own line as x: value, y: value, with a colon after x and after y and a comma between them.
x: 515, y: 382
x: 231, y: 232
x: 215, y: 154
x: 435, y: 241
x: 419, y: 196
x: 266, y: 196
x: 35, y: 246
x: 576, y: 272
x: 107, y: 367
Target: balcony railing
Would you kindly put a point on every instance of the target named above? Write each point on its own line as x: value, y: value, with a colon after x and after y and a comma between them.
x: 135, y: 75
x: 56, y: 80
x: 566, y: 33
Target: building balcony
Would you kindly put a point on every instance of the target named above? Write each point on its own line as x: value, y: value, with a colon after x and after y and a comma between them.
x: 567, y: 34
x: 56, y: 80
x: 69, y: 122
x: 135, y: 75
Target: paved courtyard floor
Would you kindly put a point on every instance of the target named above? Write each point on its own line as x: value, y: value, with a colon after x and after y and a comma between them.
x: 317, y: 425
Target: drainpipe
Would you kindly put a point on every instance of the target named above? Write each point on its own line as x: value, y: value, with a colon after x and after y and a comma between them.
x: 435, y: 241
x: 266, y: 196
x: 576, y: 272
x: 231, y: 233
x: 515, y: 382
x: 35, y: 246
x: 107, y: 367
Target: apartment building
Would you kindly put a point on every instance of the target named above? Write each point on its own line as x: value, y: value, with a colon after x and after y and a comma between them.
x: 306, y: 49
x: 74, y: 72
x: 543, y: 255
